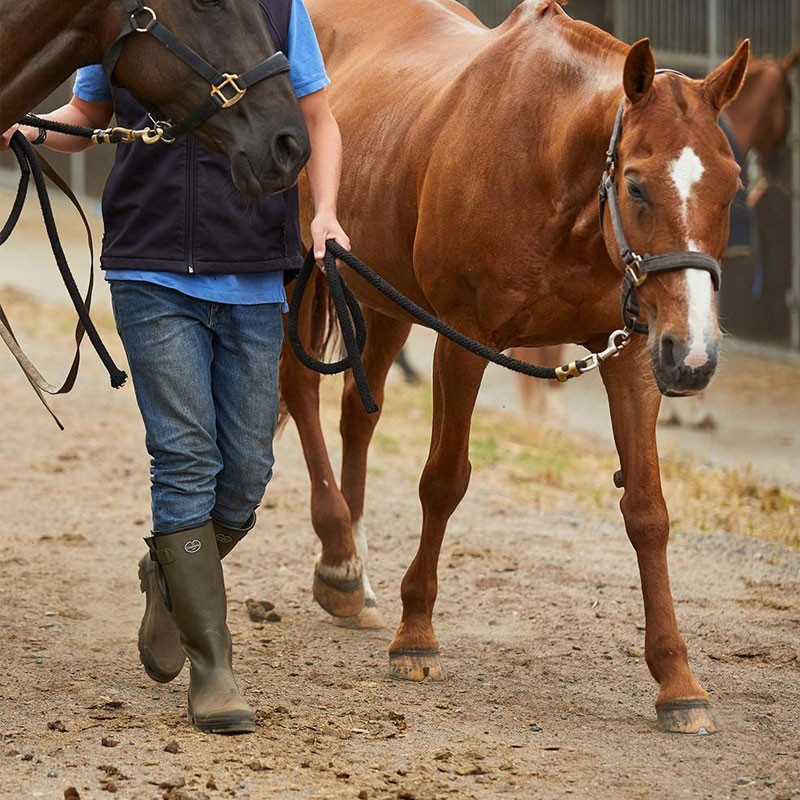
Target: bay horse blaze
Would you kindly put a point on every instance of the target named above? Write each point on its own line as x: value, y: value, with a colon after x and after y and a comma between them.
x: 473, y: 158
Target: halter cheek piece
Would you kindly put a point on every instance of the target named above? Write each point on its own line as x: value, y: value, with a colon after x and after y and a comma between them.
x: 227, y: 89
x: 638, y: 267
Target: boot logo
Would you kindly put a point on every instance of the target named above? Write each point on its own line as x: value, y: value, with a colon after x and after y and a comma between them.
x: 224, y: 539
x: 192, y: 546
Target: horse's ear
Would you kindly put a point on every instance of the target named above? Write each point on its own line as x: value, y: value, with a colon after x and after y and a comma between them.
x: 640, y: 69
x: 790, y: 62
x: 724, y: 83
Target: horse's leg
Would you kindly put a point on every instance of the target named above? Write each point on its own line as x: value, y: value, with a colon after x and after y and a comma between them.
x: 540, y: 400
x: 414, y: 652
x: 385, y: 339
x: 338, y: 587
x: 682, y: 705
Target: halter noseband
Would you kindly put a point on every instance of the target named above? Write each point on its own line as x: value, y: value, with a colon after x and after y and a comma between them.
x: 227, y: 89
x: 638, y: 267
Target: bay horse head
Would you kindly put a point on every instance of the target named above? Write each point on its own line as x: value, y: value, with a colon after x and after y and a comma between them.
x: 760, y: 114
x: 264, y: 135
x: 677, y: 178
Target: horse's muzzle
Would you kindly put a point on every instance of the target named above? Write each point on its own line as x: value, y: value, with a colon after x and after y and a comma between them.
x: 288, y: 154
x: 673, y: 375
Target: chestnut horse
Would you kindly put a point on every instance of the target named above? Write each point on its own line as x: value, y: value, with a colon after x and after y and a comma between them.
x: 473, y: 158
x: 43, y: 43
x: 759, y: 120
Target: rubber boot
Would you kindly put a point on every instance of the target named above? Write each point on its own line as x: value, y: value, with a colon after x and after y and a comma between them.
x: 227, y: 538
x: 160, y: 648
x: 194, y: 589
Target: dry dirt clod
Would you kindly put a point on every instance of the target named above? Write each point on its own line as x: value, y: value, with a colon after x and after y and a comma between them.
x: 108, y: 741
x: 57, y: 725
x: 258, y: 610
x: 71, y: 793
x: 173, y: 783
x: 174, y: 747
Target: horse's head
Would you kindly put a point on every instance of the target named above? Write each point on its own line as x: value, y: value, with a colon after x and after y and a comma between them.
x: 760, y: 115
x: 263, y: 134
x: 676, y: 179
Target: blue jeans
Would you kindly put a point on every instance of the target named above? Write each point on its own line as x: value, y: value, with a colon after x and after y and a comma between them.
x: 206, y: 381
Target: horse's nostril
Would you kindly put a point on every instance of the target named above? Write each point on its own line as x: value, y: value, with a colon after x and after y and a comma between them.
x: 668, y: 354
x: 287, y: 149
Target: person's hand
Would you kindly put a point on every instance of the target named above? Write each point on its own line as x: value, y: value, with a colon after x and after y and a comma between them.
x: 326, y: 226
x: 5, y: 138
x: 29, y: 133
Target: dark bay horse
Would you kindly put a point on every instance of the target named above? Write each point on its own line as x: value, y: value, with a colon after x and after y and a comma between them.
x: 473, y: 158
x: 43, y: 42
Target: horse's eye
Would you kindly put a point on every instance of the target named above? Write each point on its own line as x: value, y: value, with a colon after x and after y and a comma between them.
x: 636, y: 192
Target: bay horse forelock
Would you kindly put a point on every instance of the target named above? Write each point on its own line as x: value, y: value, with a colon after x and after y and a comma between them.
x: 264, y: 134
x: 470, y: 184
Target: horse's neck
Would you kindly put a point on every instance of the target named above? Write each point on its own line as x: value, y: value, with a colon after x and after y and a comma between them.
x: 750, y: 112
x: 42, y: 44
x: 556, y: 113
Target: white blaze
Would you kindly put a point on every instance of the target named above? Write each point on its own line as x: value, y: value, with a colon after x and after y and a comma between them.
x: 685, y: 172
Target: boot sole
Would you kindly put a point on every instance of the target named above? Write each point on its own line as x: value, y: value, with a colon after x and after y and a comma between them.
x: 158, y: 677
x: 230, y: 725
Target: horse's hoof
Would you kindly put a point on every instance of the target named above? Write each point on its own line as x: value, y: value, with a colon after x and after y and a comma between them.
x: 415, y: 665
x: 687, y: 716
x: 339, y: 590
x: 370, y: 619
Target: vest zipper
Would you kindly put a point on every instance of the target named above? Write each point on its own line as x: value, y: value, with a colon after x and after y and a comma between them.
x: 191, y: 200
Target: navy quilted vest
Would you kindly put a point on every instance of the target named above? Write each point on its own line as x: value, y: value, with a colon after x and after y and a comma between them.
x: 174, y: 208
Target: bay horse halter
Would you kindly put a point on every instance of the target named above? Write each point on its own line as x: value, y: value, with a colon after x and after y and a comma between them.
x: 227, y: 88
x: 638, y: 267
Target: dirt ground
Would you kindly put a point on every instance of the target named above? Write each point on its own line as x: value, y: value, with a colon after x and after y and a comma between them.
x: 539, y: 615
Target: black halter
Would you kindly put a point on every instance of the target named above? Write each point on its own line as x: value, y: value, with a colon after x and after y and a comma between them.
x: 638, y: 267
x: 227, y: 89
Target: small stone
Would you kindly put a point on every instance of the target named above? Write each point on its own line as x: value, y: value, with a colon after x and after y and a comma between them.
x: 362, y: 795
x: 273, y: 616
x: 343, y: 775
x: 108, y: 741
x: 172, y: 747
x: 211, y: 784
x: 27, y: 757
x: 534, y: 728
x: 53, y: 773
x: 57, y: 725
x: 71, y: 793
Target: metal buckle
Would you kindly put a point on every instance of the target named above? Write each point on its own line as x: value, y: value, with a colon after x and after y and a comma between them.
x: 217, y: 91
x: 637, y: 277
x: 153, y: 19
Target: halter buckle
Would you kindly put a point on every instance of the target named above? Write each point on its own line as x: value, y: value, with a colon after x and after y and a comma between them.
x: 218, y: 91
x: 636, y: 276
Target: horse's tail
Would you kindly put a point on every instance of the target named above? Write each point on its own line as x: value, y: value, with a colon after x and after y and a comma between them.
x: 323, y: 335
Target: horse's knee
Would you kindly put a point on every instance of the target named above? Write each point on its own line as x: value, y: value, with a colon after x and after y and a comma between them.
x: 442, y: 490
x: 646, y: 518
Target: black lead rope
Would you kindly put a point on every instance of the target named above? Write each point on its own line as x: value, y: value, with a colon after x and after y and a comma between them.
x: 30, y: 166
x: 351, y: 322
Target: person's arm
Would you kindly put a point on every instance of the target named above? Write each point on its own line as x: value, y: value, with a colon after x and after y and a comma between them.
x: 323, y: 170
x: 77, y: 112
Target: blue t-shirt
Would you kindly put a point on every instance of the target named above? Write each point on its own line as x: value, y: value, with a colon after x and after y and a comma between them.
x: 307, y: 74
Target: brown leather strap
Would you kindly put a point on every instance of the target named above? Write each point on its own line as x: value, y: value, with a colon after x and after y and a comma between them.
x: 39, y: 383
